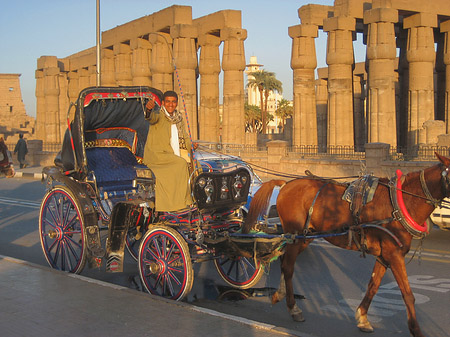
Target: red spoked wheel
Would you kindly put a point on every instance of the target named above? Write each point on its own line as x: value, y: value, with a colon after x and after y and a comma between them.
x: 239, y: 272
x: 165, y: 265
x: 61, y: 230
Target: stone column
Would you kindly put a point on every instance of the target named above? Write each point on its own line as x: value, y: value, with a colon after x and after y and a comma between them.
x: 84, y: 79
x: 340, y: 61
x: 403, y: 79
x: 63, y: 104
x: 209, y: 68
x: 445, y: 28
x: 140, y: 62
x: 161, y: 65
x: 303, y: 63
x: 233, y: 65
x: 185, y: 79
x: 40, y: 104
x: 321, y: 108
x: 51, y: 93
x: 122, y: 53
x: 439, y: 104
x: 358, y: 108
x: 73, y: 91
x: 108, y: 70
x: 421, y: 57
x: 381, y: 54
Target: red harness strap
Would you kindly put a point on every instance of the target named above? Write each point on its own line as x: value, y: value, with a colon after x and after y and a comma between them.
x: 401, y: 204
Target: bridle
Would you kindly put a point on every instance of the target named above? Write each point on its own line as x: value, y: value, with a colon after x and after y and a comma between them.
x: 445, y: 179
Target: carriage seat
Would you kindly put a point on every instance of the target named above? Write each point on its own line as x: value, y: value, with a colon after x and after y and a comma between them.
x: 114, y: 168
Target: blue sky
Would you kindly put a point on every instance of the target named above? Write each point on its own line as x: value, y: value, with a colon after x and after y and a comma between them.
x: 30, y: 29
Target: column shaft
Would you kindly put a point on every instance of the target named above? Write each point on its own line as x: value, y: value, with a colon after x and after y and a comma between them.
x: 233, y: 65
x: 421, y: 57
x: 209, y: 68
x: 303, y: 63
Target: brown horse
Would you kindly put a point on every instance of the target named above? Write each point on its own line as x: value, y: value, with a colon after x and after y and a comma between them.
x: 384, y: 227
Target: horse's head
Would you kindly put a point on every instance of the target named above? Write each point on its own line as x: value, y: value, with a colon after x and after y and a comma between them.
x: 445, y: 163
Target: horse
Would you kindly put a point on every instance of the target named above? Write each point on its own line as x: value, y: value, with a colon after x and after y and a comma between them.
x: 383, y: 227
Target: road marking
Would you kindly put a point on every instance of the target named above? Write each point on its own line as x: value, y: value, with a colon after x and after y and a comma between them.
x: 426, y: 254
x: 20, y: 202
x: 388, y: 300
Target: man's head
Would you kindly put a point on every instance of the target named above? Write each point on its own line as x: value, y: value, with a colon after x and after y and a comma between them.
x: 170, y: 101
x: 20, y: 135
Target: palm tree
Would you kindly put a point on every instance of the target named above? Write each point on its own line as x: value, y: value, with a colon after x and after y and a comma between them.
x: 252, y: 118
x: 284, y: 110
x: 265, y: 81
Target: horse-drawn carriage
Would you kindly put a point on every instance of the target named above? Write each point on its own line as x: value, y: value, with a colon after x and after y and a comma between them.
x: 100, y: 185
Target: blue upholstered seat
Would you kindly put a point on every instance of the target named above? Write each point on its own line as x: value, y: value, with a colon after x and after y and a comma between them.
x: 114, y: 169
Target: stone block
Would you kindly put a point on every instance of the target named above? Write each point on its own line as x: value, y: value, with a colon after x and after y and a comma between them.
x: 314, y: 14
x: 380, y: 15
x: 47, y: 62
x: 122, y: 48
x: 183, y: 30
x: 303, y: 30
x: 140, y: 44
x: 208, y: 39
x: 233, y: 33
x: 445, y: 26
x: 339, y: 23
x: 420, y: 20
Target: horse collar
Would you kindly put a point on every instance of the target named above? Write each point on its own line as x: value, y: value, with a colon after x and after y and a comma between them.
x: 400, y: 212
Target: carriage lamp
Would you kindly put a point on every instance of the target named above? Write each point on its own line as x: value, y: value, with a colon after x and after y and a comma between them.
x: 224, y: 189
x: 201, y: 182
x: 237, y: 186
x: 209, y: 190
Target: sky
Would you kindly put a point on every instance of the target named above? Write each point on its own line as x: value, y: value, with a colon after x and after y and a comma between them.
x: 30, y: 29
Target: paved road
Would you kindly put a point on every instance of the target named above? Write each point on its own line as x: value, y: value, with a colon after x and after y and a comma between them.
x: 329, y: 281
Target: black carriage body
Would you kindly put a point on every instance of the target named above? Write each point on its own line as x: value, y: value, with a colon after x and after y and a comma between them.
x: 100, y: 175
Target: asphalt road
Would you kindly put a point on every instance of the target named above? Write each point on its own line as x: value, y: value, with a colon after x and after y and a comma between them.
x: 329, y: 282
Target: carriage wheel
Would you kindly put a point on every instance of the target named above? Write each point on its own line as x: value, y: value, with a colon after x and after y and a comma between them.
x: 239, y: 272
x: 165, y: 264
x: 61, y: 228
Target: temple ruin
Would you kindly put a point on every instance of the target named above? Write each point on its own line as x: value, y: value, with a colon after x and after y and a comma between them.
x: 159, y: 50
x: 399, y: 96
x: 13, y: 117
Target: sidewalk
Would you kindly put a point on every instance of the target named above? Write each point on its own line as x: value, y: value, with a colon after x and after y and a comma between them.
x: 39, y: 301
x: 33, y: 172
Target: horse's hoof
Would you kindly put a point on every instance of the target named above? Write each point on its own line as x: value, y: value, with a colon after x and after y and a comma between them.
x: 365, y: 327
x: 297, y: 314
x: 363, y: 323
x: 298, y: 317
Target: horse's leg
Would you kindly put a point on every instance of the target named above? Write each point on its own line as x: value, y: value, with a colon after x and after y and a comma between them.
x: 361, y: 313
x: 399, y: 270
x: 287, y: 271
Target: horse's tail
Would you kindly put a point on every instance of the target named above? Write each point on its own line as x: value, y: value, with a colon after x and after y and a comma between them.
x: 259, y: 203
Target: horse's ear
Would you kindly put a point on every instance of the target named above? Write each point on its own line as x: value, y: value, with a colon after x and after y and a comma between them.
x: 443, y: 160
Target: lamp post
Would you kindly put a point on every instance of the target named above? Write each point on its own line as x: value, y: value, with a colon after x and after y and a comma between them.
x: 98, y: 45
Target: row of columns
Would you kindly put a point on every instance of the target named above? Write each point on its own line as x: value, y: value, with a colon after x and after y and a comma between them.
x: 343, y: 120
x: 166, y: 61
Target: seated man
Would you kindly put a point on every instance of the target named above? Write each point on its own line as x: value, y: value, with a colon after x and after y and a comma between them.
x: 166, y: 147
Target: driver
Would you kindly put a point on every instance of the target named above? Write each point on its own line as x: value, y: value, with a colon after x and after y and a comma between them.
x: 166, y: 154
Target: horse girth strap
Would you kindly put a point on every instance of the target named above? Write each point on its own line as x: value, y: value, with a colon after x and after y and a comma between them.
x: 311, y: 209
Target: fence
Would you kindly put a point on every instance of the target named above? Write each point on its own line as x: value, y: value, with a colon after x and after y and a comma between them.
x: 397, y: 153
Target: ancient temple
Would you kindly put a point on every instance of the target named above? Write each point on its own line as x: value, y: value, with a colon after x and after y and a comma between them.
x: 13, y: 117
x: 399, y: 96
x: 159, y: 50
